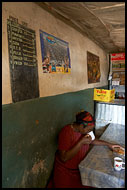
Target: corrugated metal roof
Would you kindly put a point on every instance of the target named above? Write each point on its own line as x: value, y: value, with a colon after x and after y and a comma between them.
x: 102, y: 22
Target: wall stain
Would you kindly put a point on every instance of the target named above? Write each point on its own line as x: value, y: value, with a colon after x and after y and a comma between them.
x: 19, y: 153
x: 30, y: 177
x: 32, y: 141
x: 38, y: 166
x: 24, y: 179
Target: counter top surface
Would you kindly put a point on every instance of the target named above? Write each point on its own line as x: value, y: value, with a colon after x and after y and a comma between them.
x: 97, y: 169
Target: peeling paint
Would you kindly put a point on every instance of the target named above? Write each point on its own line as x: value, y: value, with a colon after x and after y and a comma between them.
x: 38, y: 166
x: 30, y: 177
x: 19, y: 153
x: 24, y: 179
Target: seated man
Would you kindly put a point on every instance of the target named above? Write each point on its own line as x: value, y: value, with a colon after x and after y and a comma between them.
x: 73, y: 145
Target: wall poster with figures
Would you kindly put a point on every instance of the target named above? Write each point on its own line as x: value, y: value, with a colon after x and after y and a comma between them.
x: 55, y: 54
x: 93, y: 68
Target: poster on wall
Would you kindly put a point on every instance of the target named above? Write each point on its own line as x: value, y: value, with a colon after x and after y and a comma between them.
x: 22, y: 60
x: 55, y: 54
x: 93, y: 68
x: 118, y: 60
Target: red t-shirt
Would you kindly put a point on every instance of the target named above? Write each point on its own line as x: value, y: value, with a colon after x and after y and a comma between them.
x: 67, y: 139
x: 66, y: 174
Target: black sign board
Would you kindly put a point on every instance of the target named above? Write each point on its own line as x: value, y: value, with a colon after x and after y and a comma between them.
x: 23, y: 62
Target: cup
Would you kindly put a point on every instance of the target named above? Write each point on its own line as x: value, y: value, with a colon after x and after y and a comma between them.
x: 92, y: 135
x: 118, y: 162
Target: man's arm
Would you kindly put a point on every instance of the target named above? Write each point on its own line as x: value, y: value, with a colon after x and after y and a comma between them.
x: 67, y: 155
x: 105, y: 143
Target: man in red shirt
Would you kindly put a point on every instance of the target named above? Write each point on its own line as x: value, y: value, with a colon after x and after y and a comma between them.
x: 73, y: 145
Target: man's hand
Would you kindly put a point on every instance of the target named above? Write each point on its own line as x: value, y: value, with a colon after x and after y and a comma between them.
x: 86, y: 139
x: 113, y: 146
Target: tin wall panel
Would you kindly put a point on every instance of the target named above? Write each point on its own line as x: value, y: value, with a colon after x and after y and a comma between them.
x: 109, y: 113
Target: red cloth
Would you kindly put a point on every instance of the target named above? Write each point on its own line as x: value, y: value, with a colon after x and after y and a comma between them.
x: 67, y: 175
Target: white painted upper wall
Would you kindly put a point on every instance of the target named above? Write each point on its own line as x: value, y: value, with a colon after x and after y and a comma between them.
x: 51, y: 84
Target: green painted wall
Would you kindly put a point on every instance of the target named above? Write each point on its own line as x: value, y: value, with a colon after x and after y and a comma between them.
x: 29, y: 136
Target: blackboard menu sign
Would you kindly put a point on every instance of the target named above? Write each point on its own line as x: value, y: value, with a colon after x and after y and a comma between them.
x: 22, y: 59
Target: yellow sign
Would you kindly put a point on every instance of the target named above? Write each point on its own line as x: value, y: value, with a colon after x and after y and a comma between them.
x: 104, y: 95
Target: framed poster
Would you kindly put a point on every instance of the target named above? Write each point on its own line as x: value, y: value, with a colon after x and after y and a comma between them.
x: 55, y: 54
x: 93, y: 68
